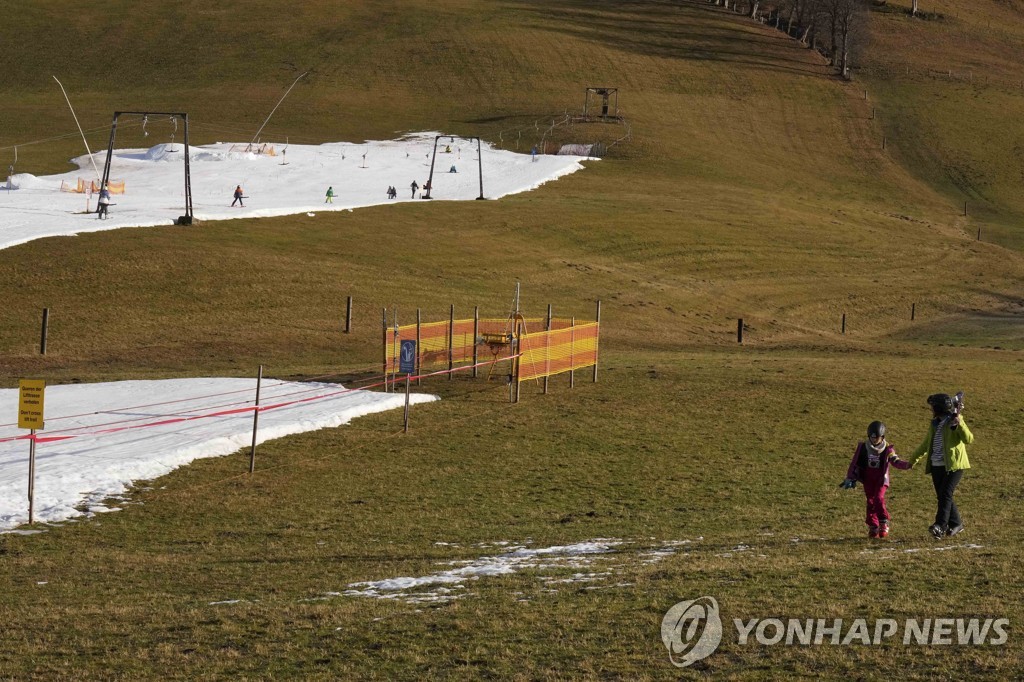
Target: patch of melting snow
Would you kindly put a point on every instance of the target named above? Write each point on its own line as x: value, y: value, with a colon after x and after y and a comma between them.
x: 736, y: 549
x: 516, y: 559
x: 21, y: 532
x: 914, y: 550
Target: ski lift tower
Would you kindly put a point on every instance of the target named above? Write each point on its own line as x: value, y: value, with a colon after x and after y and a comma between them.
x: 180, y: 220
x: 609, y: 100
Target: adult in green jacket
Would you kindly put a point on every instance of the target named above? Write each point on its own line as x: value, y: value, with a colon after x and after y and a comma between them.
x: 946, y: 448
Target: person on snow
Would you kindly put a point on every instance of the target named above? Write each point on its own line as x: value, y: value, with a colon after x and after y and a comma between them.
x: 104, y: 204
x: 870, y: 465
x: 392, y: 192
x: 414, y: 187
x: 330, y: 196
x: 946, y: 447
x: 238, y: 196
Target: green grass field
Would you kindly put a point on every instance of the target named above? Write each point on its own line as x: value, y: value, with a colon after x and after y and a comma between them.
x: 755, y: 185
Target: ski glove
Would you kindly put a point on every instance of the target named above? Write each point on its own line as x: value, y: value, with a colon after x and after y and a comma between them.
x: 848, y: 484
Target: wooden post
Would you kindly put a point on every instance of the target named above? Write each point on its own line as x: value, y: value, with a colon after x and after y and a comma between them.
x: 598, y: 320
x: 979, y: 233
x: 384, y: 345
x: 42, y: 336
x: 476, y: 336
x: 739, y: 330
x: 883, y: 141
x: 348, y: 315
x: 965, y: 208
x: 547, y: 361
x: 572, y: 351
x: 517, y: 361
x: 255, y: 421
x: 31, y: 475
x: 844, y: 323
x: 406, y: 429
x: 913, y: 311
x: 451, y: 340
x: 419, y: 352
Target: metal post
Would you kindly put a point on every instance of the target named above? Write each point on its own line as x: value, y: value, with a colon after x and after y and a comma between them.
x: 476, y: 335
x: 31, y: 475
x: 739, y: 330
x: 395, y: 345
x: 42, y: 337
x: 598, y: 320
x: 188, y: 180
x: 547, y: 360
x: 384, y: 346
x: 913, y: 311
x: 844, y: 323
x: 255, y: 421
x: 419, y: 349
x: 348, y: 315
x: 451, y: 340
x: 406, y: 430
x: 480, y: 164
x: 572, y: 351
x: 430, y: 177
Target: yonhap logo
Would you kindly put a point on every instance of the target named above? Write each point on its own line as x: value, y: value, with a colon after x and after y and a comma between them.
x: 691, y: 630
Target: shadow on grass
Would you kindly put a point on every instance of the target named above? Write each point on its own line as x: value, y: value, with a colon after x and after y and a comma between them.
x: 672, y: 30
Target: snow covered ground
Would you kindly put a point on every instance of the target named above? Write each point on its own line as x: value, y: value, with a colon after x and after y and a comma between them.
x: 99, y: 438
x: 293, y: 181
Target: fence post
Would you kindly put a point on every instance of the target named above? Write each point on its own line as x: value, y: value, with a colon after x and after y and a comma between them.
x: 844, y: 323
x: 451, y: 340
x: 597, y: 339
x: 572, y: 351
x: 739, y: 330
x: 516, y: 363
x: 384, y: 346
x: 42, y: 335
x: 348, y: 315
x: 419, y: 351
x: 979, y: 233
x: 476, y: 335
x: 913, y: 311
x: 547, y: 355
x: 31, y: 475
x: 255, y: 421
x: 406, y: 429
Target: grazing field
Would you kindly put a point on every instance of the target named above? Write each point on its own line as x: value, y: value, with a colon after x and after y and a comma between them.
x: 753, y: 185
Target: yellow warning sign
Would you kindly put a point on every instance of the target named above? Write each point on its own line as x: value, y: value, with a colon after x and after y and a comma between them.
x: 30, y: 403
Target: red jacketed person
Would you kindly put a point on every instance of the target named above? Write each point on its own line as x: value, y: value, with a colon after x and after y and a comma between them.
x: 870, y: 465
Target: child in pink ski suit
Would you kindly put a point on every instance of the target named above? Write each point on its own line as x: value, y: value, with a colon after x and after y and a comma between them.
x: 870, y: 465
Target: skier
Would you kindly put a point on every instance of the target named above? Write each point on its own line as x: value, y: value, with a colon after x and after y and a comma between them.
x: 946, y: 447
x: 533, y: 153
x: 238, y: 196
x: 414, y: 187
x: 104, y: 204
x: 870, y: 466
x: 330, y: 196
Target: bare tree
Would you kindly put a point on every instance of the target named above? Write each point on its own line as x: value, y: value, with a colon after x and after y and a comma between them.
x: 913, y: 9
x: 847, y: 24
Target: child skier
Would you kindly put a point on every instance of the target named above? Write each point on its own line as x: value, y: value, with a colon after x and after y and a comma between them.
x: 238, y: 197
x: 870, y: 466
x: 330, y: 196
x: 103, y: 206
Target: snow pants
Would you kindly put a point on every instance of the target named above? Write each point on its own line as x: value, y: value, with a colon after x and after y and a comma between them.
x: 877, y: 514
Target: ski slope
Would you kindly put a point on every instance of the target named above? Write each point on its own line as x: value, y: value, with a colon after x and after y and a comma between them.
x: 100, y: 438
x: 294, y: 180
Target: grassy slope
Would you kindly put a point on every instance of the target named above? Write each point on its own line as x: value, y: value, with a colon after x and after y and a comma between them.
x: 754, y: 187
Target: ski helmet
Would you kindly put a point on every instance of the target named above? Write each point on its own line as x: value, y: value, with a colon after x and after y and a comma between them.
x: 876, y: 429
x: 941, y: 403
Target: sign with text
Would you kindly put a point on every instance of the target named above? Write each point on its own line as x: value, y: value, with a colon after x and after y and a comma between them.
x: 30, y: 403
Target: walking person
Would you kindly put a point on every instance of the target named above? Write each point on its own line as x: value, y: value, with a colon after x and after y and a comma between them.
x: 238, y: 196
x: 414, y: 187
x: 330, y: 196
x: 870, y: 465
x: 103, y: 205
x: 946, y: 449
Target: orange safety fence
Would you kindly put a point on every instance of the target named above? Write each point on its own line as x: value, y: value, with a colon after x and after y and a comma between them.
x: 564, y: 348
x: 559, y: 350
x: 83, y: 186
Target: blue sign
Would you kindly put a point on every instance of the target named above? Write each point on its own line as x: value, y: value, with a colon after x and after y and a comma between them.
x: 407, y: 359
